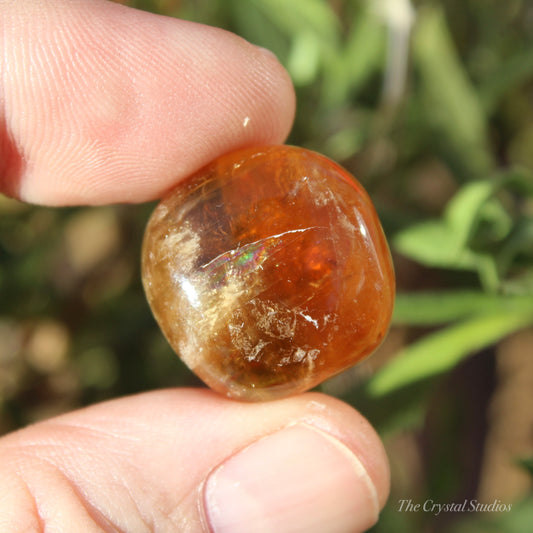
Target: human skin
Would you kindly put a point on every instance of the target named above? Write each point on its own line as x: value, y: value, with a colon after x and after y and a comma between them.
x: 101, y: 104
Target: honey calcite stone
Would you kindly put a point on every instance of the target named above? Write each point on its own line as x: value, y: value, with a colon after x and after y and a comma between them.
x: 268, y: 272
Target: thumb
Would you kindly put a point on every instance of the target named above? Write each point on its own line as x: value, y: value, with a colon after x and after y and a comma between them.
x: 186, y: 460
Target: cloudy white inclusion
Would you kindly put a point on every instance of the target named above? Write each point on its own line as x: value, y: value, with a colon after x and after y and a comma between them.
x: 190, y: 292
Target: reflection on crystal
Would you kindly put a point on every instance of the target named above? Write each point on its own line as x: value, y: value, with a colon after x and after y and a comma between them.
x: 190, y: 292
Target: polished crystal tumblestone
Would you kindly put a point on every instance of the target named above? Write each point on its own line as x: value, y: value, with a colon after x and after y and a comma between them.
x: 268, y: 272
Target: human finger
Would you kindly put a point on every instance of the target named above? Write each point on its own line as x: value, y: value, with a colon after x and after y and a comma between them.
x: 101, y: 103
x: 189, y: 460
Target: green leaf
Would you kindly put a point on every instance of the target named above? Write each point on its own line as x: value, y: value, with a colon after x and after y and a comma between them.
x: 440, y: 351
x: 520, y: 284
x: 434, y: 244
x: 443, y: 243
x: 478, y: 231
x: 362, y: 55
x: 513, y: 71
x: 519, y: 179
x: 304, y: 58
x: 313, y: 30
x: 447, y: 243
x: 297, y: 16
x: 251, y: 23
x: 463, y: 210
x: 434, y: 308
x: 451, y: 103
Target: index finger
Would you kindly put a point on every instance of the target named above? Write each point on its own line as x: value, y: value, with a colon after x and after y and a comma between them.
x: 100, y: 103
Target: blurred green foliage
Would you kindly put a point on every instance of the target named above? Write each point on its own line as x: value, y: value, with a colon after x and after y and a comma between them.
x: 430, y: 105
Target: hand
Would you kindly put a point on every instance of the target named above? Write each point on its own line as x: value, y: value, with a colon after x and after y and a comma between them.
x: 100, y: 104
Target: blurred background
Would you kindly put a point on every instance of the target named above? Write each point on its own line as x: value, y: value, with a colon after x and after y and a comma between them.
x: 430, y: 105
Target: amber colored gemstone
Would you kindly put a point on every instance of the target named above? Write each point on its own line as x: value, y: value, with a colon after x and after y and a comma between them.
x: 268, y: 272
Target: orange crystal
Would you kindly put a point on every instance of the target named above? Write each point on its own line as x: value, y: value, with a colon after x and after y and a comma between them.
x: 268, y: 272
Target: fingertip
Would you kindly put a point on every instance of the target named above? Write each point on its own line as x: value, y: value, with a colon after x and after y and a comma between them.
x: 128, y: 104
x: 350, y: 427
x: 281, y: 104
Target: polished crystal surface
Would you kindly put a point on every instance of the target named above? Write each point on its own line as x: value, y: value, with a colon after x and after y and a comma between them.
x: 268, y: 272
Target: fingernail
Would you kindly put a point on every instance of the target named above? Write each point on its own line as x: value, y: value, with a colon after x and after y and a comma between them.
x: 298, y: 479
